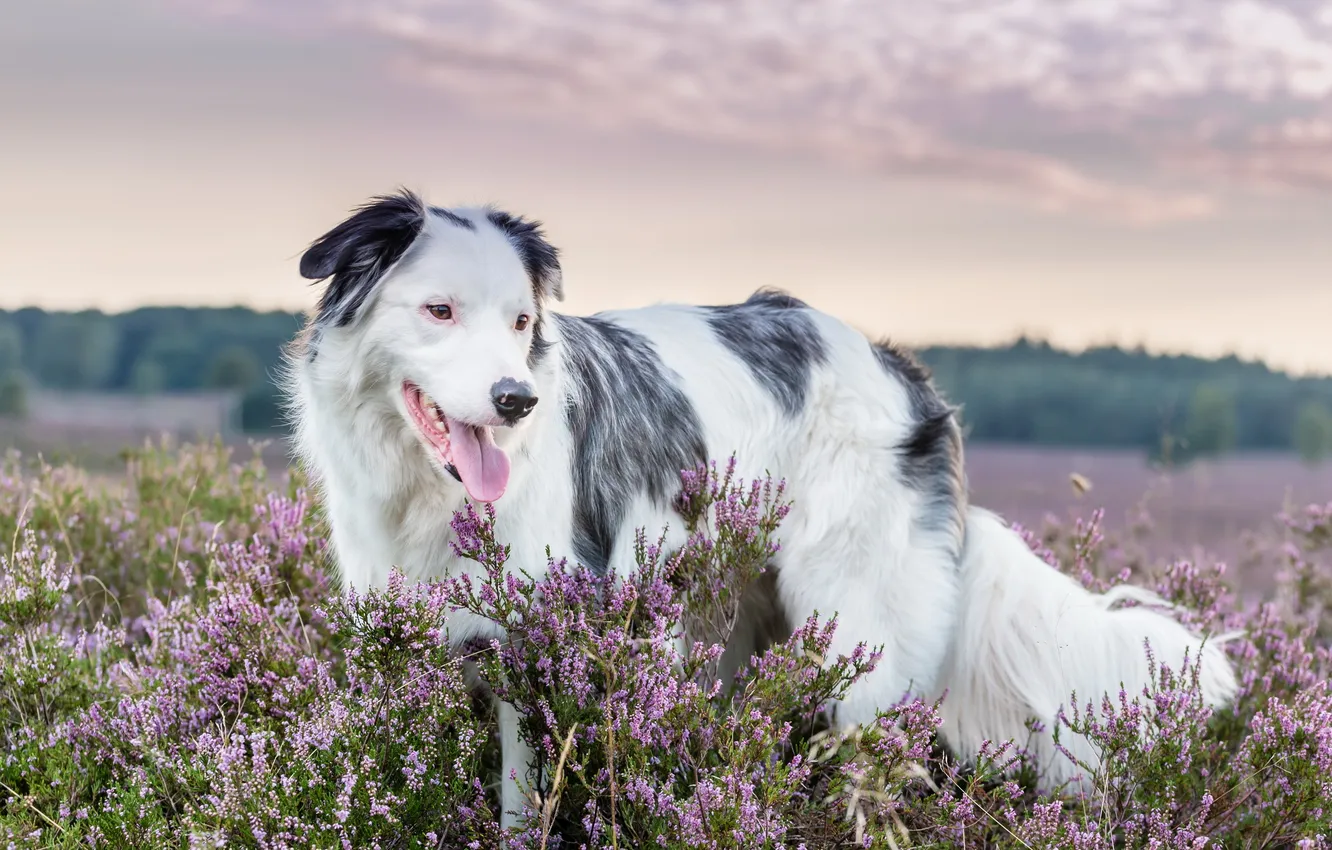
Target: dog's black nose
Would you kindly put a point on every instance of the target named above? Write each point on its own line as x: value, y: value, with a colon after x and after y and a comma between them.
x: 513, y: 399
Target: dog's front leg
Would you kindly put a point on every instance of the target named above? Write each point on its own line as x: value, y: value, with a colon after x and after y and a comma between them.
x: 516, y: 763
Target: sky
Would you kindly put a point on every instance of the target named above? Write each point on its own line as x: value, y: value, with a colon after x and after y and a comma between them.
x: 1139, y: 172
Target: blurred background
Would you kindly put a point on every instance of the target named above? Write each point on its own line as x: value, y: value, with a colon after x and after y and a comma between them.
x: 1103, y: 223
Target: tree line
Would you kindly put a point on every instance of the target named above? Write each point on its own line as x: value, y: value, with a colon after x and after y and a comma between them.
x: 147, y: 351
x: 1175, y: 407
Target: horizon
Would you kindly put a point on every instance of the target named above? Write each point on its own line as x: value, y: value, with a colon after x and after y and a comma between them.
x: 1099, y: 174
x: 997, y: 345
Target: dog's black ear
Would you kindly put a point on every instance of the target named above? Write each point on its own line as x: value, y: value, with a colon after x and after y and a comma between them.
x: 357, y: 252
x: 540, y: 258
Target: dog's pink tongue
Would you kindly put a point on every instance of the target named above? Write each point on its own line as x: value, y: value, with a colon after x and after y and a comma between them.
x: 482, y: 465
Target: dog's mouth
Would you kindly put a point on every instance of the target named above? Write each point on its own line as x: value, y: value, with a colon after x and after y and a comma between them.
x: 468, y: 452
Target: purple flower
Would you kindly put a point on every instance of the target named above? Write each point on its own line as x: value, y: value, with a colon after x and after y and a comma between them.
x: 175, y: 670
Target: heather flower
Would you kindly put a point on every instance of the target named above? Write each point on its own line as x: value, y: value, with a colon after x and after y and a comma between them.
x: 176, y: 670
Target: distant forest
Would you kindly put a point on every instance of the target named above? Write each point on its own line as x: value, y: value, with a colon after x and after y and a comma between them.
x: 1173, y: 407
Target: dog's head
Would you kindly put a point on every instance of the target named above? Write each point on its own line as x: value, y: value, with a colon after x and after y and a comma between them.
x: 449, y: 304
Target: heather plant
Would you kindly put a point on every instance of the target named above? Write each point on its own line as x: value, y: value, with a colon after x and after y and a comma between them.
x: 638, y: 742
x: 177, y: 670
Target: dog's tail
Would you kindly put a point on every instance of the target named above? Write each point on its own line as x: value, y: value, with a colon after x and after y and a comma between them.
x: 1028, y: 636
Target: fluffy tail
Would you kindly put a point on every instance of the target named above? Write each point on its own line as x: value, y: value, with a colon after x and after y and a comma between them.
x: 1028, y: 636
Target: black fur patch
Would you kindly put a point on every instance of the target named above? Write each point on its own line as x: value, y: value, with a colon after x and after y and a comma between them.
x: 774, y: 336
x: 932, y: 454
x: 542, y: 262
x: 540, y: 258
x: 633, y: 430
x: 452, y: 218
x: 357, y: 252
x: 536, y: 354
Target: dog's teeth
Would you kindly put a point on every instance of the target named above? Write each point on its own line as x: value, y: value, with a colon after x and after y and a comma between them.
x: 433, y: 411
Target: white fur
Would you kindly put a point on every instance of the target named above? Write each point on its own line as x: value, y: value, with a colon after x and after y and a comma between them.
x: 1029, y: 636
x: 1006, y: 635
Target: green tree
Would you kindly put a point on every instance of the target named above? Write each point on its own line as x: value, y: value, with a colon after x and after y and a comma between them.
x: 261, y: 410
x: 234, y: 368
x: 147, y: 376
x: 75, y: 351
x: 11, y: 347
x: 13, y: 394
x: 1212, y: 422
x: 179, y: 352
x: 1313, y: 432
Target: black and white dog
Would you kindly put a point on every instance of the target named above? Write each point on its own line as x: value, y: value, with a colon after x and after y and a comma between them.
x: 434, y: 371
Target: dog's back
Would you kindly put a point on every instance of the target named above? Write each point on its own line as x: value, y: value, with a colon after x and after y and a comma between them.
x: 870, y: 454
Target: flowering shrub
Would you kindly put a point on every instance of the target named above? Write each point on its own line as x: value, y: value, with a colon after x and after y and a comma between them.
x: 176, y: 671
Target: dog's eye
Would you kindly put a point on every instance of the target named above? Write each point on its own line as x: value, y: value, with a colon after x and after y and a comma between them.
x: 521, y: 324
x: 443, y: 312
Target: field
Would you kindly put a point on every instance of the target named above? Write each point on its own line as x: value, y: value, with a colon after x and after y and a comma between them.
x: 176, y: 672
x: 1210, y: 510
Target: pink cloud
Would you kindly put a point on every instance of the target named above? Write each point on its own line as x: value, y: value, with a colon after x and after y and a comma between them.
x: 985, y: 92
x: 1294, y: 154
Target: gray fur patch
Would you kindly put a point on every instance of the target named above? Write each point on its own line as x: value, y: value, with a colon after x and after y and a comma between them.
x: 774, y: 336
x: 633, y: 429
x: 536, y: 355
x: 932, y: 454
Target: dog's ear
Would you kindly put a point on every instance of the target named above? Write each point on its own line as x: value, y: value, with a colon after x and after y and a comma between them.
x: 540, y: 258
x: 358, y: 252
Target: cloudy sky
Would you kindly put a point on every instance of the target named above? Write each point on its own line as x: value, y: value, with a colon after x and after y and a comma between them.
x: 1136, y: 171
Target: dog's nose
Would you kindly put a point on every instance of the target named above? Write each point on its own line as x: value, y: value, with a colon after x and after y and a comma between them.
x: 513, y: 399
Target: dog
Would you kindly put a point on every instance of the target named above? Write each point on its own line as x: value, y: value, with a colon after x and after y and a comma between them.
x: 434, y: 370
